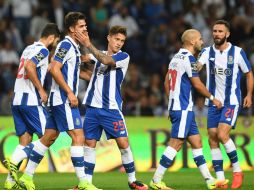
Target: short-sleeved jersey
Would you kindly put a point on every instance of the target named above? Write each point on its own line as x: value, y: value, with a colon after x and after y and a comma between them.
x: 25, y: 92
x: 104, y: 89
x: 68, y: 54
x: 224, y: 69
x: 182, y: 67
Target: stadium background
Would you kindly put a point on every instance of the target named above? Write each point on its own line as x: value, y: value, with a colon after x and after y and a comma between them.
x: 154, y: 30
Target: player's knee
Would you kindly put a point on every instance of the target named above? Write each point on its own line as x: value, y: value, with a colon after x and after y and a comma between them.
x: 77, y: 140
x: 223, y: 137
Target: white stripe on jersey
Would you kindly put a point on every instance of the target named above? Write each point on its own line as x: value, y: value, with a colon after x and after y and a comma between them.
x: 226, y: 90
x: 25, y: 91
x: 67, y: 53
x: 104, y: 89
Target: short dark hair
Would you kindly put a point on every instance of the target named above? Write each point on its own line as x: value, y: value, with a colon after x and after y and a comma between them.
x: 224, y: 22
x: 117, y: 29
x: 50, y: 29
x: 72, y: 18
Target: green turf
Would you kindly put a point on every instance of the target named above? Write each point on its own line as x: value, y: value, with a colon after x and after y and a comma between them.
x: 184, y: 180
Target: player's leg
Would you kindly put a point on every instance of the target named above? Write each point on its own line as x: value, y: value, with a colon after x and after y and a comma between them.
x: 27, y: 119
x: 181, y: 123
x: 227, y: 122
x: 212, y: 126
x: 92, y: 132
x: 196, y: 145
x: 36, y: 155
x: 38, y: 152
x: 114, y: 126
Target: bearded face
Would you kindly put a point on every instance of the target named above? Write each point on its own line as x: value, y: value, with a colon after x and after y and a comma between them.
x: 219, y: 41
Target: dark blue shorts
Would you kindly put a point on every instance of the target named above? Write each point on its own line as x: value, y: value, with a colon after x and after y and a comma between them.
x: 109, y: 120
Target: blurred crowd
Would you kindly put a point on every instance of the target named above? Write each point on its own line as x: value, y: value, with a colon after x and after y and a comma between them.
x: 154, y: 28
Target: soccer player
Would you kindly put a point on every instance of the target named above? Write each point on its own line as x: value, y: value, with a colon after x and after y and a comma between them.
x: 104, y: 103
x: 28, y: 113
x: 181, y: 76
x: 63, y: 102
x: 224, y: 65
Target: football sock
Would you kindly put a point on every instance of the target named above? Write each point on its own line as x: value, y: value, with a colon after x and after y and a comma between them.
x: 165, y: 161
x: 128, y: 164
x: 35, y: 157
x: 217, y: 161
x: 19, y: 154
x: 77, y: 158
x: 232, y: 154
x: 201, y: 163
x: 90, y: 158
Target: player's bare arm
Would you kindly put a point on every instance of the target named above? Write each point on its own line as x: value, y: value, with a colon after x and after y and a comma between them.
x: 30, y: 68
x: 166, y: 84
x: 247, y: 102
x: 84, y: 39
x: 200, y: 87
x: 55, y: 71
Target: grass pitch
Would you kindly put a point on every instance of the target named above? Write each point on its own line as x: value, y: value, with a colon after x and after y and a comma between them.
x: 183, y: 180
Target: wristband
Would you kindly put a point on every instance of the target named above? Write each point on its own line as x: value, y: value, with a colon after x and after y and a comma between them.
x: 211, y: 97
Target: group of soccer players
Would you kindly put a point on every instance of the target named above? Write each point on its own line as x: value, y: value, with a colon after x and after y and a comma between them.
x: 224, y: 65
x: 103, y: 101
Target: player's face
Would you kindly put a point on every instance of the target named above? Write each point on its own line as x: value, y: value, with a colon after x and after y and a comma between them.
x: 116, y: 42
x: 220, y: 34
x: 80, y: 26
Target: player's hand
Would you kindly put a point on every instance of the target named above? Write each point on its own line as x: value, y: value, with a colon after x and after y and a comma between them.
x: 217, y: 103
x: 83, y: 38
x: 73, y: 99
x: 247, y: 102
x: 85, y: 58
x: 43, y: 95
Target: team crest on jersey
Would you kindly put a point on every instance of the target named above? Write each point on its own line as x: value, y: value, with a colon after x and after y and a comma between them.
x: 77, y: 122
x: 39, y: 57
x: 230, y: 59
x: 194, y: 67
x: 61, y: 53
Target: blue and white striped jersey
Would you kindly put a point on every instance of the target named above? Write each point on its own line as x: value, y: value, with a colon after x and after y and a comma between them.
x: 25, y: 92
x: 67, y: 53
x: 104, y: 89
x: 224, y: 69
x: 182, y: 67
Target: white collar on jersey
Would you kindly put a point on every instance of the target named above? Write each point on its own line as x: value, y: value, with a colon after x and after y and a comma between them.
x: 184, y: 50
x: 39, y: 43
x: 225, y: 50
x: 72, y: 41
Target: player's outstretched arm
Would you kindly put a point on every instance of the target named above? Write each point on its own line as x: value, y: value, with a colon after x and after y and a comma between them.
x: 30, y: 68
x: 200, y: 87
x: 247, y: 102
x: 55, y: 71
x: 84, y: 39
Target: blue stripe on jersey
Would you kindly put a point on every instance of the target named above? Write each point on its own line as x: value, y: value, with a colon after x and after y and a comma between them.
x: 75, y: 80
x: 120, y: 56
x: 119, y: 79
x: 243, y: 54
x: 38, y: 69
x: 24, y: 99
x: 40, y: 56
x: 172, y: 104
x: 194, y: 68
x: 51, y: 98
x: 91, y: 91
x: 62, y: 51
x: 229, y: 77
x: 65, y: 75
x: 185, y: 91
x: 211, y: 73
x: 238, y: 89
x: 105, y: 88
